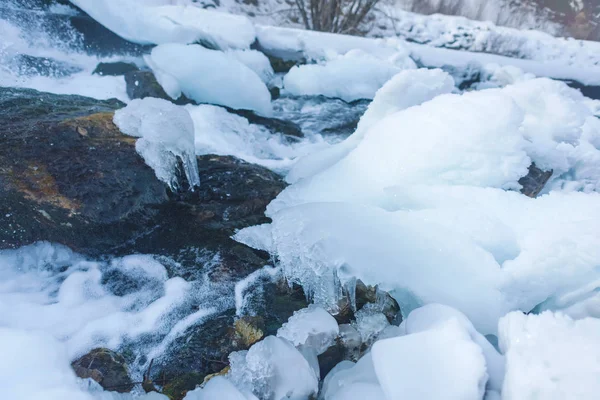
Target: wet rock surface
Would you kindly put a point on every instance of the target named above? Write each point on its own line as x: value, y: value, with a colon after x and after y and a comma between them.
x: 105, y: 367
x: 114, y: 68
x: 535, y: 180
x: 69, y: 176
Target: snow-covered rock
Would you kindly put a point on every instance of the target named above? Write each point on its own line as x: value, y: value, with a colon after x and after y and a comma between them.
x: 166, y: 133
x: 160, y: 22
x: 209, y: 76
x: 550, y: 356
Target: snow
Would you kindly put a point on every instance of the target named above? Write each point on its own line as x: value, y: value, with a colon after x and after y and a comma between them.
x: 312, y: 328
x: 256, y: 61
x: 550, y: 356
x: 218, y: 388
x: 352, y: 76
x: 341, y: 380
x: 485, y: 37
x: 420, y: 205
x: 265, y: 370
x: 209, y: 76
x: 441, y: 363
x: 218, y: 131
x: 166, y: 133
x: 299, y: 44
x: 406, y: 89
x: 160, y: 23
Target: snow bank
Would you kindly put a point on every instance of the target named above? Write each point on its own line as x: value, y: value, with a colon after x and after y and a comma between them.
x: 298, y: 44
x: 550, y: 356
x: 265, y: 371
x: 166, y: 133
x: 352, y: 76
x: 218, y: 131
x: 256, y: 61
x: 485, y: 37
x: 209, y: 76
x: 159, y: 23
x: 406, y: 89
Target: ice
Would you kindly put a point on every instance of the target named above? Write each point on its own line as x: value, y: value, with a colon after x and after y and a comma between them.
x: 209, y: 76
x: 434, y: 178
x: 352, y: 76
x: 166, y: 133
x: 258, y: 237
x: 406, y: 89
x: 218, y: 131
x: 266, y: 370
x: 370, y: 323
x: 359, y: 391
x: 346, y: 375
x: 160, y: 23
x: 550, y: 356
x: 256, y: 61
x: 572, y: 60
x: 441, y: 363
x: 434, y: 315
x: 311, y: 327
x: 218, y: 388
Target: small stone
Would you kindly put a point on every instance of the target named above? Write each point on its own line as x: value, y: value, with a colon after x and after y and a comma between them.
x: 247, y: 330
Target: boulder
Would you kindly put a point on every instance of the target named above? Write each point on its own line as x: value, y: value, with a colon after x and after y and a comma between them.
x: 105, y: 367
x: 535, y: 180
x: 114, y: 68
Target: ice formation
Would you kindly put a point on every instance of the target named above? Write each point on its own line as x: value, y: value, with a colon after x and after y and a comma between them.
x: 396, y: 209
x: 218, y: 131
x: 352, y: 76
x: 209, y: 76
x: 550, y: 356
x: 406, y: 89
x: 218, y: 388
x: 311, y: 327
x: 256, y: 61
x: 166, y: 133
x: 158, y: 22
x: 266, y: 370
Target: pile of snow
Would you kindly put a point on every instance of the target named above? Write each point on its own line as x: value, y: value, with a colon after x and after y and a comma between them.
x: 166, y: 133
x: 218, y: 131
x: 159, y: 22
x: 352, y: 76
x: 406, y: 89
x: 420, y: 206
x: 550, y: 356
x: 209, y: 76
x: 219, y: 388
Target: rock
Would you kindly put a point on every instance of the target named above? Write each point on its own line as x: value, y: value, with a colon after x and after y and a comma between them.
x: 534, y: 181
x: 222, y: 372
x: 43, y: 66
x: 105, y: 367
x: 281, y: 65
x: 248, y: 330
x: 64, y: 159
x: 275, y: 92
x: 275, y: 125
x: 381, y: 300
x: 347, y: 347
x: 115, y: 68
